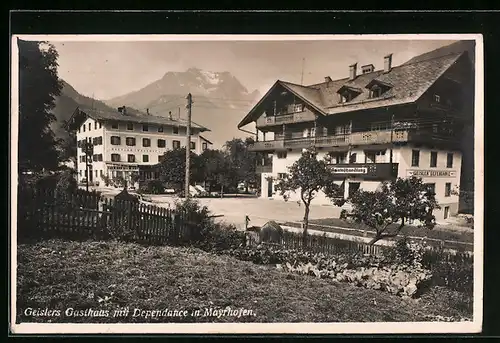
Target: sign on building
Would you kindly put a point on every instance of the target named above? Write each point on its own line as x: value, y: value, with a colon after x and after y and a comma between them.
x: 430, y: 173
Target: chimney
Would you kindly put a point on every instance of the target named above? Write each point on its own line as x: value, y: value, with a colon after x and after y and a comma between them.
x: 170, y: 115
x: 122, y: 110
x: 352, y: 71
x: 387, y: 63
x: 369, y: 68
x: 328, y: 79
x: 147, y: 111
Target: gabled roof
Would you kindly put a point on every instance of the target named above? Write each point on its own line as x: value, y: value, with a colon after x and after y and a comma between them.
x: 407, y: 82
x: 82, y: 112
x: 349, y: 88
x: 206, y: 140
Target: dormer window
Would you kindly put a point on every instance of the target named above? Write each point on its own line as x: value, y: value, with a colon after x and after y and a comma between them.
x: 377, y: 88
x: 348, y: 93
x: 437, y: 98
x: 298, y: 108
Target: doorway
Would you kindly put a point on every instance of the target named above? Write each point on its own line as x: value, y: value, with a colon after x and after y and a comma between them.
x: 269, y: 188
x: 446, y: 212
x: 353, y: 188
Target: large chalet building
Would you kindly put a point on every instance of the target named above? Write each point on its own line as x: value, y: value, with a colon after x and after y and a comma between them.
x: 373, y: 126
x: 125, y: 143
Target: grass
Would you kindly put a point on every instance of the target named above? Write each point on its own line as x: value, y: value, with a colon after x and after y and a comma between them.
x: 59, y: 274
x: 325, y: 225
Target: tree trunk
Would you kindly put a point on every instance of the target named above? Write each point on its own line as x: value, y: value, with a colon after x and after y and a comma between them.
x: 305, y: 224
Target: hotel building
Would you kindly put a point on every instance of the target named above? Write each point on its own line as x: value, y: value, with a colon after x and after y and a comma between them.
x: 375, y: 126
x: 125, y: 143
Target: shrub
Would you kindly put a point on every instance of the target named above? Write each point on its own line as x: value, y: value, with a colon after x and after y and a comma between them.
x: 452, y: 271
x: 405, y: 252
x: 106, y: 179
x: 65, y: 189
x: 152, y: 187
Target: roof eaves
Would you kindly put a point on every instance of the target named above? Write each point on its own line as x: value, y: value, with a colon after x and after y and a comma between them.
x: 246, y: 119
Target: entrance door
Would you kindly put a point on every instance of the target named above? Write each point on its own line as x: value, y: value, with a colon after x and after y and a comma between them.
x: 353, y: 187
x: 446, y: 212
x: 269, y: 188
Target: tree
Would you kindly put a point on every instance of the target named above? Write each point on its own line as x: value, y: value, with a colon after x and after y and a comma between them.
x: 308, y: 176
x: 393, y: 206
x: 38, y: 85
x: 242, y: 160
x: 173, y: 168
x: 216, y: 169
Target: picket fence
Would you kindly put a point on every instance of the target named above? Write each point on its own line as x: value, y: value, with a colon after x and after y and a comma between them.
x: 320, y: 244
x: 82, y: 215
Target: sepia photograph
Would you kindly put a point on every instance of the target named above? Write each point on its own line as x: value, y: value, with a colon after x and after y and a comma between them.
x: 246, y: 184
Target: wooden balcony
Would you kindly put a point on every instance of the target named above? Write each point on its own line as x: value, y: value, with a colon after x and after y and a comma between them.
x: 353, y: 139
x: 267, y: 145
x: 288, y: 118
x: 267, y: 168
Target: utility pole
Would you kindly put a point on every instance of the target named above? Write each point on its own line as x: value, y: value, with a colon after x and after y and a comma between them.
x: 392, y: 142
x: 89, y: 151
x: 188, y: 142
x: 302, y: 73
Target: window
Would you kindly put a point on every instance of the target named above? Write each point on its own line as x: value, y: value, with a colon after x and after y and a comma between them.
x: 352, y: 158
x: 94, y: 157
x: 204, y: 146
x: 160, y: 128
x: 131, y: 158
x: 415, y: 158
x: 99, y: 140
x: 447, y: 189
x: 281, y: 154
x: 449, y: 160
x: 114, y: 125
x: 95, y: 127
x: 161, y: 143
x: 369, y: 157
x: 176, y: 144
x: 90, y: 126
x: 437, y: 98
x: 99, y: 157
x: 298, y: 108
x: 431, y: 188
x: 281, y: 176
x: 130, y: 126
x: 130, y: 141
x: 79, y: 130
x: 145, y: 127
x: 145, y: 158
x: 115, y: 140
x: 115, y: 157
x: 343, y: 129
x: 146, y: 142
x: 160, y: 158
x: 339, y: 157
x: 175, y: 130
x: 101, y: 172
x: 192, y: 145
x: 96, y: 173
x: 100, y: 125
x: 83, y: 127
x: 375, y: 92
x: 434, y: 157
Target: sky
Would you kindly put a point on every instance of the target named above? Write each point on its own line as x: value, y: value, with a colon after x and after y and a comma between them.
x: 109, y: 69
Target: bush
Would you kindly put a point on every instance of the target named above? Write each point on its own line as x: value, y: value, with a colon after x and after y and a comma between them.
x: 152, y: 187
x: 452, y: 271
x: 405, y: 252
x: 65, y: 189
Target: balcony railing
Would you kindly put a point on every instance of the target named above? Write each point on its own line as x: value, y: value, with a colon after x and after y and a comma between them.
x: 288, y: 118
x: 267, y: 168
x: 356, y: 138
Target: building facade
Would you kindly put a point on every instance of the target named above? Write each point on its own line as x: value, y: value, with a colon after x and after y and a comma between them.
x: 373, y: 126
x: 124, y: 144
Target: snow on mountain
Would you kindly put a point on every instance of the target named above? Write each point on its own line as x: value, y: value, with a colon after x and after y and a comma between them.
x: 220, y: 100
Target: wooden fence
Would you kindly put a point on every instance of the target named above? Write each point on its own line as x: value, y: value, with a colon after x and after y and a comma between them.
x: 87, y: 215
x: 322, y: 244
